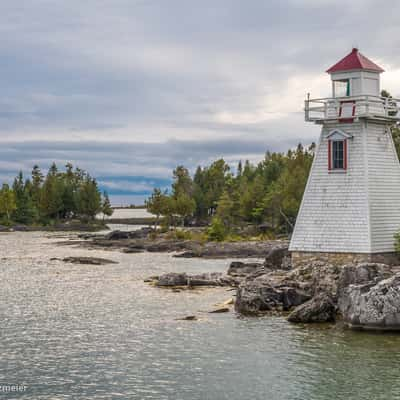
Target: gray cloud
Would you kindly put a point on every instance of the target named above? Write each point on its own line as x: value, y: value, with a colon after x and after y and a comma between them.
x: 131, y: 88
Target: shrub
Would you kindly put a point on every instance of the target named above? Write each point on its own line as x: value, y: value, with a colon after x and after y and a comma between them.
x: 217, y: 231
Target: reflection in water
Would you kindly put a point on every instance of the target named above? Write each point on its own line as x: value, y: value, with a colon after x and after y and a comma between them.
x: 75, y: 331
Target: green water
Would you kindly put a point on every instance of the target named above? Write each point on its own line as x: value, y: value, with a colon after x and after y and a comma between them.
x: 98, y: 332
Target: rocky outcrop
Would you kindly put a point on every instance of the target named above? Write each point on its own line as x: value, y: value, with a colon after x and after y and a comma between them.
x: 372, y: 305
x: 278, y: 258
x: 320, y: 308
x: 263, y: 294
x: 363, y: 273
x: 143, y: 239
x: 174, y: 279
x: 230, y: 249
x: 240, y: 269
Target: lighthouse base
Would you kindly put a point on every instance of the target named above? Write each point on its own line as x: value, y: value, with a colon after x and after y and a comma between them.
x: 303, y: 258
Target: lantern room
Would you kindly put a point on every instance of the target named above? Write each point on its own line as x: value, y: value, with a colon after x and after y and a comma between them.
x: 355, y: 75
x: 356, y: 94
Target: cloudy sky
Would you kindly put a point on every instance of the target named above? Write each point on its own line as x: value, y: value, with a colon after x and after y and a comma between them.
x: 127, y: 89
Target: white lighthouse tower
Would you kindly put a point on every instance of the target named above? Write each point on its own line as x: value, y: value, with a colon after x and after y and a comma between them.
x: 351, y: 206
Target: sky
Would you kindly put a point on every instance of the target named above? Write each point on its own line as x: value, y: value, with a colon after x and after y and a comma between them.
x: 128, y: 89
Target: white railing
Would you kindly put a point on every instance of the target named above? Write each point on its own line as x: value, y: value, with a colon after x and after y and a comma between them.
x: 352, y: 107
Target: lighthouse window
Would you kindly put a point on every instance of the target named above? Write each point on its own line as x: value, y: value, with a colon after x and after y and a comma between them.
x: 342, y: 88
x: 338, y: 154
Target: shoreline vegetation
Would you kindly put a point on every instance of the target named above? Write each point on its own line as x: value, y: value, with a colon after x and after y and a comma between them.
x: 266, y: 195
x: 61, y: 200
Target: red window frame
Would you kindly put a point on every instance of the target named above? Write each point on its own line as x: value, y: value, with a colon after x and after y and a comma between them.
x: 330, y: 155
x: 353, y: 111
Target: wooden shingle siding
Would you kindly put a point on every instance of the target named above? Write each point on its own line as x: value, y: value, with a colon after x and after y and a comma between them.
x: 334, y: 213
x: 383, y: 186
x: 358, y: 210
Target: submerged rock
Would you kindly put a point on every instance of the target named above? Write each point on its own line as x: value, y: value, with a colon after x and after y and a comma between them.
x: 220, y: 310
x: 372, y: 305
x: 320, y: 308
x: 86, y: 260
x: 187, y: 318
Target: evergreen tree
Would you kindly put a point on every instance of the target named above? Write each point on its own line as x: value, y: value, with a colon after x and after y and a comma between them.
x: 106, y: 208
x: 25, y: 212
x: 51, y: 205
x: 7, y: 202
x: 89, y: 199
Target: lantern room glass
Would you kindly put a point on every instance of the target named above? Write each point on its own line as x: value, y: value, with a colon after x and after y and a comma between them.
x: 342, y: 88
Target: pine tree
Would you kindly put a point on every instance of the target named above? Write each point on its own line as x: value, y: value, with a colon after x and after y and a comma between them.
x: 50, y: 205
x: 25, y: 212
x: 88, y: 199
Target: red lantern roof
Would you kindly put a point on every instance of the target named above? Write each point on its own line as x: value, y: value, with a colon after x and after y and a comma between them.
x: 354, y: 60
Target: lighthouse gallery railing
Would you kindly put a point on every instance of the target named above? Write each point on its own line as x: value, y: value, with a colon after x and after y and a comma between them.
x: 352, y: 107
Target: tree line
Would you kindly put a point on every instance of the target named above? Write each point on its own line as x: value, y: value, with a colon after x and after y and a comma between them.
x: 60, y: 195
x: 267, y: 193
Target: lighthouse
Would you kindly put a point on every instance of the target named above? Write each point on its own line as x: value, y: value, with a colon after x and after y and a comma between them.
x: 350, y: 209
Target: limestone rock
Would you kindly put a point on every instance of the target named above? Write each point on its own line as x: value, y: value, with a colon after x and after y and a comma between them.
x: 172, y: 279
x: 241, y: 269
x: 278, y: 258
x: 372, y: 305
x: 362, y: 273
x: 260, y: 295
x: 320, y: 308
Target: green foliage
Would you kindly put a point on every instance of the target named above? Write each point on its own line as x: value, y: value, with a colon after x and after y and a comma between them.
x: 267, y: 193
x: 61, y: 195
x: 217, y: 231
x: 25, y: 212
x: 106, y: 205
x: 88, y: 199
x: 7, y: 203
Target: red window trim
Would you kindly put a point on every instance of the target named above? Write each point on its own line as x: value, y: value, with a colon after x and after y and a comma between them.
x: 330, y: 167
x: 329, y: 155
x: 353, y: 112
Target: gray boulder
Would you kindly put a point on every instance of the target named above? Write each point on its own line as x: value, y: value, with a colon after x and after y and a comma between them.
x: 363, y: 273
x: 172, y: 279
x: 278, y: 258
x: 241, y: 269
x: 372, y: 305
x: 320, y: 308
x: 205, y: 279
x: 261, y: 295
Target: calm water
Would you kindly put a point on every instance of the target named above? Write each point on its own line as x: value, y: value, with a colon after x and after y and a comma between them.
x: 84, y: 332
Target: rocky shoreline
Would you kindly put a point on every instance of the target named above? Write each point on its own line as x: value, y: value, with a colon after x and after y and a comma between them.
x: 142, y: 240
x: 60, y: 227
x: 363, y: 296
